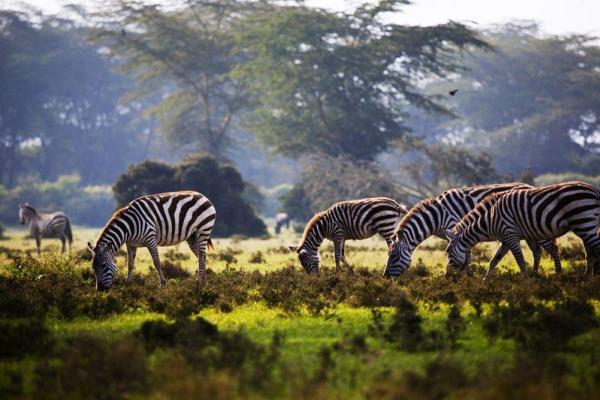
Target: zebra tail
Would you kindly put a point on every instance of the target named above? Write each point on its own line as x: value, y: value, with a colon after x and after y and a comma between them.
x: 210, y: 245
x: 69, y: 232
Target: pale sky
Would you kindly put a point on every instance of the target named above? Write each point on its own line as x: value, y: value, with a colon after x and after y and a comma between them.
x: 554, y: 16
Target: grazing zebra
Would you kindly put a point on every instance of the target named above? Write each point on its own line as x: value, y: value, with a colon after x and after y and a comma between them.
x: 536, y: 214
x: 347, y: 220
x: 435, y: 215
x: 281, y: 220
x: 162, y: 219
x: 48, y: 225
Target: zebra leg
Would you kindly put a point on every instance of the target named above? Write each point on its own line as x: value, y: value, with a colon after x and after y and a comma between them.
x: 201, y: 249
x: 552, y: 248
x: 63, y: 240
x: 338, y: 247
x: 193, y: 245
x: 537, y: 254
x: 131, y: 251
x: 153, y: 249
x: 38, y: 244
x: 498, y: 255
x: 515, y: 247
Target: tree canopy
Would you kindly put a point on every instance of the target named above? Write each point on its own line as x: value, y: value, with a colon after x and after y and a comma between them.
x: 338, y: 83
x: 534, y: 101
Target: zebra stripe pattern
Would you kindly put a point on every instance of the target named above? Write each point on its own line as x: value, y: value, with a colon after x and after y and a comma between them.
x: 533, y: 214
x: 150, y: 221
x: 436, y: 215
x: 347, y: 220
x: 50, y: 225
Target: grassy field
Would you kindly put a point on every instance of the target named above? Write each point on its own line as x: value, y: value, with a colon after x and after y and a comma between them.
x: 261, y: 328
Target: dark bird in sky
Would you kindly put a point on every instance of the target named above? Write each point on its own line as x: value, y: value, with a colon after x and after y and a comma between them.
x: 453, y: 92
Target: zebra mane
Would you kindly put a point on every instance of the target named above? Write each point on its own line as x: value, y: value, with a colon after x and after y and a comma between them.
x: 485, y: 204
x: 28, y: 208
x: 416, y: 209
x: 309, y: 226
x: 116, y: 215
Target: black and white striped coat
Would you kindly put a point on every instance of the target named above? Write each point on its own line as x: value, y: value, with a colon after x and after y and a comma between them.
x: 48, y: 225
x: 436, y: 215
x: 162, y: 219
x: 533, y: 214
x: 347, y: 220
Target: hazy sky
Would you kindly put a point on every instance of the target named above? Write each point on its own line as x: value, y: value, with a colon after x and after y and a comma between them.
x: 555, y: 16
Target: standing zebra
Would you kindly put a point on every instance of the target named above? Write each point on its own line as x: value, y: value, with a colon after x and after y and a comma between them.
x: 281, y: 220
x: 347, y: 220
x: 533, y: 214
x: 150, y: 221
x: 435, y: 215
x: 48, y: 225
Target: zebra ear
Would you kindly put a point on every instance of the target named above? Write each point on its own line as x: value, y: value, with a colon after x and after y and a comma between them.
x: 90, y: 247
x: 449, y: 234
x: 293, y: 248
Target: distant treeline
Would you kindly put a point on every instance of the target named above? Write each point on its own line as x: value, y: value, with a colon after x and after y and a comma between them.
x: 242, y: 81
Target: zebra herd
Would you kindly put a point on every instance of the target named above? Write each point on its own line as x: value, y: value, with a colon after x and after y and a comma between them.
x: 466, y: 216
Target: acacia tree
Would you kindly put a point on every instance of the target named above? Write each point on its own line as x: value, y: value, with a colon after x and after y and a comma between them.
x: 181, y: 57
x: 340, y: 83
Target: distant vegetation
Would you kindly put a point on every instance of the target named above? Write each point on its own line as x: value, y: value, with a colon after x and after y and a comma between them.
x: 270, y: 87
x: 221, y: 183
x: 85, y: 205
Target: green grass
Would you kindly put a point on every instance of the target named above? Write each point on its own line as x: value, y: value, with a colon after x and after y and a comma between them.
x: 335, y: 336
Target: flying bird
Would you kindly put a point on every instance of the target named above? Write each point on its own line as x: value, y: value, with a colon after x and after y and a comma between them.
x: 453, y: 92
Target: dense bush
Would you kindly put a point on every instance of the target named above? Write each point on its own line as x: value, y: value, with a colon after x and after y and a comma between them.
x: 222, y: 184
x: 85, y: 205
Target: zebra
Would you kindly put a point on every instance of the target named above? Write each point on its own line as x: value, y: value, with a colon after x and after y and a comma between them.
x: 281, y: 220
x: 435, y: 215
x: 533, y: 214
x: 49, y: 225
x: 347, y: 220
x: 162, y: 219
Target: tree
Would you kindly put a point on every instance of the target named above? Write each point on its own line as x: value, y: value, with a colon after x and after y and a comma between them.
x: 340, y: 83
x: 221, y: 183
x: 181, y: 58
x: 58, y: 104
x: 534, y: 101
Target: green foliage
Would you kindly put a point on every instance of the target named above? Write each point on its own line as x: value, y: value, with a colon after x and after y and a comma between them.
x: 85, y: 205
x: 59, y: 103
x: 533, y: 101
x: 181, y: 59
x: 539, y: 327
x: 221, y: 183
x: 339, y: 83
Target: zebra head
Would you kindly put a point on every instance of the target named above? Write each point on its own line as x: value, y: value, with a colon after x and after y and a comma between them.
x: 104, y: 266
x: 458, y: 254
x: 308, y: 259
x: 25, y: 212
x: 399, y: 258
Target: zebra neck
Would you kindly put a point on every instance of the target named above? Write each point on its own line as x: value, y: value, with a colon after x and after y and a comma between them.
x: 313, y: 239
x: 113, y: 238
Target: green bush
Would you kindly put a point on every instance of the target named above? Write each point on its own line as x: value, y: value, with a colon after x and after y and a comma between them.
x: 221, y: 183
